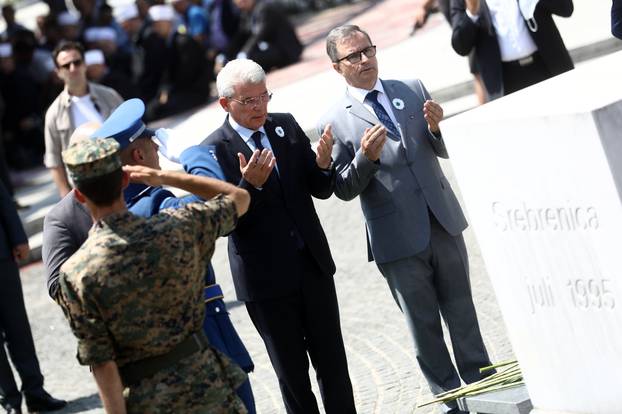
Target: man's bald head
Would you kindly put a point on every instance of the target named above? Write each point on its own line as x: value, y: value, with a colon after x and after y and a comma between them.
x: 83, y: 132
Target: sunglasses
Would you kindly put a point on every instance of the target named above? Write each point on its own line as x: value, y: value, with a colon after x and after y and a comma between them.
x: 76, y: 63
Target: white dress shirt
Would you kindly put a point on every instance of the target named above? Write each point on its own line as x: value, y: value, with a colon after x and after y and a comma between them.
x: 513, y: 36
x: 246, y: 135
x: 83, y: 110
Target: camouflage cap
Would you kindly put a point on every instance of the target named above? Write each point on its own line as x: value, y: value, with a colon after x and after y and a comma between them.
x: 92, y: 158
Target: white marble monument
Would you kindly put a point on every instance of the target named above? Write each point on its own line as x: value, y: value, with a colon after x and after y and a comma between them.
x: 540, y: 172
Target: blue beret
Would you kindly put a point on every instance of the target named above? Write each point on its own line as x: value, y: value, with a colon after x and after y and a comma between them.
x: 125, y: 124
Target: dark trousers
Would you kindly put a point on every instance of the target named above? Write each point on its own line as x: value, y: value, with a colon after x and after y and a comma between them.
x: 517, y: 77
x: 5, y: 177
x: 432, y: 283
x: 15, y: 330
x: 300, y: 324
x: 223, y: 336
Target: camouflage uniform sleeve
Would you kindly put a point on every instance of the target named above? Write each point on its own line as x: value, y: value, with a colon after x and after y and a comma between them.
x: 94, y: 343
x: 209, y: 220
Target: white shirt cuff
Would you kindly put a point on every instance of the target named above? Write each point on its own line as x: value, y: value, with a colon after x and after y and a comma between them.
x: 474, y: 17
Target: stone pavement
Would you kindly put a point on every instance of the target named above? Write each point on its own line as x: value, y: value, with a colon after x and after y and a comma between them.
x: 385, y: 375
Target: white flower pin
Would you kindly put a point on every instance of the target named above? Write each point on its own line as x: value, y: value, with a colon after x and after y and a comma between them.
x: 398, y: 104
x: 279, y: 131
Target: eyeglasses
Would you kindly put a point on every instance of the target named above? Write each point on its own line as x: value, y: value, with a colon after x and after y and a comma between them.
x: 255, y: 100
x: 356, y: 57
x: 76, y: 63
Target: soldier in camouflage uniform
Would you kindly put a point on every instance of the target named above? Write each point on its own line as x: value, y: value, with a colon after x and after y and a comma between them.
x: 133, y: 292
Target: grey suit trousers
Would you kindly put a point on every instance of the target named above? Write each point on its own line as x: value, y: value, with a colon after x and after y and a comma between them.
x: 432, y: 283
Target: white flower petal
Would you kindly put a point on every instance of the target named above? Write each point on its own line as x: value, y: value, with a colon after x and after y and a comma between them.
x: 398, y: 103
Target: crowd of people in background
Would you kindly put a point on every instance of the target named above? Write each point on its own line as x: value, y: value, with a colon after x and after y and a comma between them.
x: 166, y: 54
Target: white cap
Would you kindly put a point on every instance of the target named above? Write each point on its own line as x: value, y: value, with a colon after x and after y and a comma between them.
x: 6, y: 50
x: 125, y: 13
x: 68, y: 19
x: 161, y: 12
x: 94, y: 57
x: 96, y: 34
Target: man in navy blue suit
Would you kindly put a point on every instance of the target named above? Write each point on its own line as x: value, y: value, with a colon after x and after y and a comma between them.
x: 279, y: 256
x: 14, y: 325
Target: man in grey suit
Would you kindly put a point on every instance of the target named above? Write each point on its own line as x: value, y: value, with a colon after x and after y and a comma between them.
x: 386, y: 143
x: 66, y: 226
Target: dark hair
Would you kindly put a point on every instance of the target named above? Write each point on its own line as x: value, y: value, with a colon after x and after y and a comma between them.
x: 339, y: 33
x: 65, y: 46
x: 103, y: 190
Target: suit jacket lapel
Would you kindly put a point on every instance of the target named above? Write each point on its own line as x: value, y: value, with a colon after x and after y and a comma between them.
x: 358, y: 110
x: 485, y: 13
x: 279, y: 149
x: 401, y: 115
x: 235, y: 141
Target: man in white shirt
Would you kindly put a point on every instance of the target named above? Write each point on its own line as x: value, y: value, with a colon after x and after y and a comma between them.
x: 78, y: 103
x: 516, y: 42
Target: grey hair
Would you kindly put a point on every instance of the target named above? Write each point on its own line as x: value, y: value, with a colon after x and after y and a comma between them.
x: 337, y: 35
x: 238, y: 72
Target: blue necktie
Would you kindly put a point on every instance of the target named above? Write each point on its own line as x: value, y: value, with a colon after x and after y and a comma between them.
x: 382, y: 114
x: 257, y: 140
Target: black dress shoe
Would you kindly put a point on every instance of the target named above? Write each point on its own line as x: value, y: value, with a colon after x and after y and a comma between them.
x: 42, y: 401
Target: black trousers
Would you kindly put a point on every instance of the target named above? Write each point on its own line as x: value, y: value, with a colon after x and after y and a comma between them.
x: 517, y: 77
x: 15, y: 333
x: 300, y: 324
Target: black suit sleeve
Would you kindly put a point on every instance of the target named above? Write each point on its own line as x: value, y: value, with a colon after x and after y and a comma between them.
x: 616, y: 18
x: 155, y: 61
x: 563, y: 8
x: 59, y: 244
x: 266, y: 18
x: 10, y: 221
x: 321, y: 182
x: 464, y: 30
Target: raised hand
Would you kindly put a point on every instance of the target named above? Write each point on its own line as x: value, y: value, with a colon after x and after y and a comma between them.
x: 325, y: 148
x: 170, y: 144
x: 258, y: 168
x: 433, y: 114
x: 373, y: 141
x: 145, y: 175
x: 472, y: 6
x: 20, y: 252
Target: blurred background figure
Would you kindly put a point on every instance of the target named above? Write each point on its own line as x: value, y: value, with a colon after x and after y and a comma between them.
x: 22, y: 122
x: 176, y: 76
x: 98, y: 71
x: 265, y: 35
x: 423, y: 10
x: 15, y: 331
x: 8, y: 14
x: 69, y: 26
x: 516, y: 44
x: 194, y: 19
x: 616, y: 18
x: 79, y: 102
